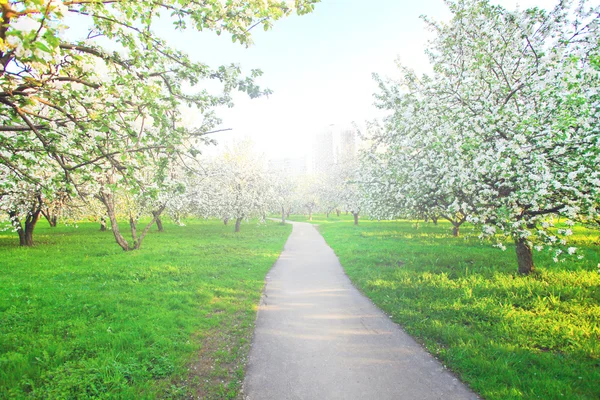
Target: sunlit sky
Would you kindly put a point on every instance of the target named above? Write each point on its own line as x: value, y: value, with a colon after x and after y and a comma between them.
x: 320, y: 67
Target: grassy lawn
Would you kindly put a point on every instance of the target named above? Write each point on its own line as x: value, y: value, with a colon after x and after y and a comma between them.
x: 507, y: 336
x: 80, y: 318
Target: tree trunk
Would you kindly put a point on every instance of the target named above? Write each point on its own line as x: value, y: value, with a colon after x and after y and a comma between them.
x: 103, y: 224
x: 29, y: 227
x: 133, y: 227
x: 355, y: 218
x: 289, y: 211
x: 456, y: 230
x: 16, y: 223
x: 155, y: 214
x: 327, y: 215
x: 337, y: 212
x: 159, y: 224
x: 238, y: 222
x: 21, y: 234
x: 282, y: 215
x: 107, y: 200
x: 435, y: 220
x: 26, y: 232
x: 225, y: 220
x: 524, y: 256
x: 310, y: 215
x: 52, y: 219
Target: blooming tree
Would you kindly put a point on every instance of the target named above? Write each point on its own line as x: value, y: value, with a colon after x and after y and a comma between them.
x: 308, y: 194
x: 236, y: 185
x: 509, y: 116
x: 283, y: 187
x: 26, y: 201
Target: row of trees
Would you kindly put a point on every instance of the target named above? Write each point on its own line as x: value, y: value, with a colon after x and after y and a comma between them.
x: 98, y: 117
x: 237, y: 185
x: 504, y: 133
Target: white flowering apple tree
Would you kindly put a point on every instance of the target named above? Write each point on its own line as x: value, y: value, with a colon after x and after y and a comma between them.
x: 308, y: 194
x: 513, y: 108
x: 283, y: 187
x: 237, y: 185
x: 405, y: 174
x: 25, y: 201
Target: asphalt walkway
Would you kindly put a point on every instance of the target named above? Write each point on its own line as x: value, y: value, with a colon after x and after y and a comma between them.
x: 318, y: 338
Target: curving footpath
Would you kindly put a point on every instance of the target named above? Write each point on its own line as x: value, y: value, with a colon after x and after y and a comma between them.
x: 317, y: 337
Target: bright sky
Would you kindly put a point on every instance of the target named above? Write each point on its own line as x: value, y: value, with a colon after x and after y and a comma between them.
x: 320, y: 66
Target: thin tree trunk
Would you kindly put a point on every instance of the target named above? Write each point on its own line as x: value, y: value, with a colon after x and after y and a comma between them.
x: 524, y: 256
x: 282, y: 215
x: 225, y: 220
x: 455, y: 230
x: 159, y: 224
x: 456, y: 223
x: 355, y: 218
x: 310, y: 215
x: 435, y: 220
x: 107, y: 200
x: 337, y: 212
x: 156, y: 214
x: 52, y: 219
x: 238, y: 222
x: 133, y: 227
x: 103, y: 224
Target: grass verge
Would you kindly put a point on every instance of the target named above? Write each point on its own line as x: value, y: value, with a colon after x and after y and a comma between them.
x: 507, y: 336
x: 80, y: 318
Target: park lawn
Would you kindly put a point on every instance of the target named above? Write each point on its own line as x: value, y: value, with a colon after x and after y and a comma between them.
x: 80, y: 318
x: 506, y: 335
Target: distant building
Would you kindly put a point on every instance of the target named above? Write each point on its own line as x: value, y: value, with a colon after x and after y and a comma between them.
x: 334, y: 145
x: 347, y: 146
x: 288, y: 165
x: 324, y: 151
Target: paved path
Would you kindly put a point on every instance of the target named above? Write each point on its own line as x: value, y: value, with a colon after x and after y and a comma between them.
x: 318, y: 338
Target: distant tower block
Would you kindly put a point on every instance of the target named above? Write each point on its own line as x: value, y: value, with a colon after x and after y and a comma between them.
x: 323, y: 151
x: 347, y: 148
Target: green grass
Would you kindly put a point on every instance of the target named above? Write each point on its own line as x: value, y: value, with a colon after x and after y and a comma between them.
x: 80, y: 318
x: 507, y: 336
